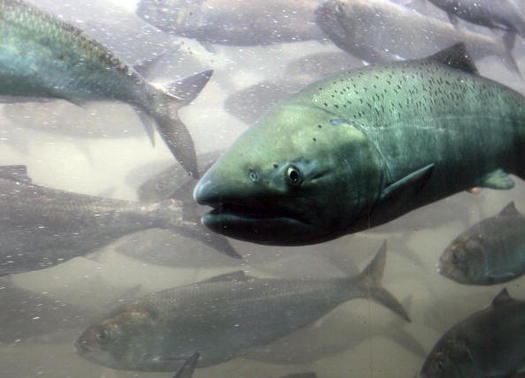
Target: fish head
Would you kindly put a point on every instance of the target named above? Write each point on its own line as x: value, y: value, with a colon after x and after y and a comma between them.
x: 172, y: 15
x: 450, y: 358
x: 300, y: 175
x: 121, y: 340
x: 463, y: 260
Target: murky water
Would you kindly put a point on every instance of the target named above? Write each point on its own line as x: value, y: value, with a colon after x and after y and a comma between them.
x: 101, y: 149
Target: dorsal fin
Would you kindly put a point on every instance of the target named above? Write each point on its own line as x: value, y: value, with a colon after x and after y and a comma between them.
x: 15, y: 173
x: 456, y: 57
x: 502, y: 298
x: 510, y: 209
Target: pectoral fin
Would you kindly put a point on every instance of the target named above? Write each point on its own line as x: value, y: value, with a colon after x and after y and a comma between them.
x: 186, y: 370
x: 15, y: 173
x: 497, y: 179
x: 409, y: 184
x: 453, y: 19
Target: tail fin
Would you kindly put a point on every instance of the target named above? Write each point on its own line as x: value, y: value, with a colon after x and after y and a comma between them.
x: 186, y: 370
x: 171, y: 128
x: 396, y: 331
x: 509, y: 39
x: 370, y: 279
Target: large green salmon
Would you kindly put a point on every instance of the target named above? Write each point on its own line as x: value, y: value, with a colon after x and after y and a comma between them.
x: 361, y: 148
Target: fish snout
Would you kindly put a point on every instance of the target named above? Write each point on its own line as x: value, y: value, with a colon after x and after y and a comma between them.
x: 206, y: 192
x: 82, y: 346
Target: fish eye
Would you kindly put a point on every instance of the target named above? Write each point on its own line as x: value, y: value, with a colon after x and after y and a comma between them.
x: 103, y: 336
x: 294, y: 176
x: 254, y: 176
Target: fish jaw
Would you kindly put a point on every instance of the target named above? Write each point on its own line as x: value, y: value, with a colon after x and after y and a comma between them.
x: 237, y: 215
x: 300, y: 175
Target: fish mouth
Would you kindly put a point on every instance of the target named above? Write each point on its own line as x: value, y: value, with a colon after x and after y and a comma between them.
x: 256, y: 222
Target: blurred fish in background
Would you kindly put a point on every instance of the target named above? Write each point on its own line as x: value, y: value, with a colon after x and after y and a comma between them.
x: 234, y: 22
x: 489, y: 343
x: 381, y: 31
x: 221, y: 317
x: 72, y: 66
x: 505, y: 15
x: 489, y: 252
x: 41, y: 227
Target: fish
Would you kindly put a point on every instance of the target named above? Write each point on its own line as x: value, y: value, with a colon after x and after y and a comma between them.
x: 488, y: 343
x: 377, y: 31
x: 236, y: 23
x: 503, y: 15
x: 359, y: 149
x: 41, y: 56
x: 221, y: 318
x: 42, y: 227
x: 488, y: 253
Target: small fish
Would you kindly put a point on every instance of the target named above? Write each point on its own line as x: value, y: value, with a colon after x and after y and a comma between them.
x: 379, y: 31
x: 503, y: 15
x: 490, y: 252
x: 489, y: 343
x: 234, y: 22
x: 361, y: 148
x: 41, y: 227
x: 41, y: 56
x: 221, y: 318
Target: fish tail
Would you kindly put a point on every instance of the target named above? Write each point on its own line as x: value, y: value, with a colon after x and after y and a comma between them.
x: 509, y: 40
x: 173, y: 131
x: 370, y: 280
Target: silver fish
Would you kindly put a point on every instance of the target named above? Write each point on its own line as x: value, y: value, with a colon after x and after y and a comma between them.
x: 379, y: 31
x: 41, y: 227
x: 221, y: 318
x: 490, y: 252
x: 504, y: 15
x: 41, y: 56
x: 489, y: 343
x: 234, y: 22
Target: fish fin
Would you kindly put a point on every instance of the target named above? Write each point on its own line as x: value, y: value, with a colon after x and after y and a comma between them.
x: 396, y: 331
x: 15, y: 173
x: 145, y: 67
x: 510, y: 209
x: 186, y: 370
x: 107, y: 193
x: 509, y: 40
x: 187, y: 89
x: 370, y: 280
x: 502, y: 298
x: 456, y: 57
x: 497, y: 179
x: 172, y: 130
x: 211, y: 239
x: 148, y: 122
x: 239, y: 275
x: 209, y: 47
x: 412, y: 182
x: 453, y: 19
